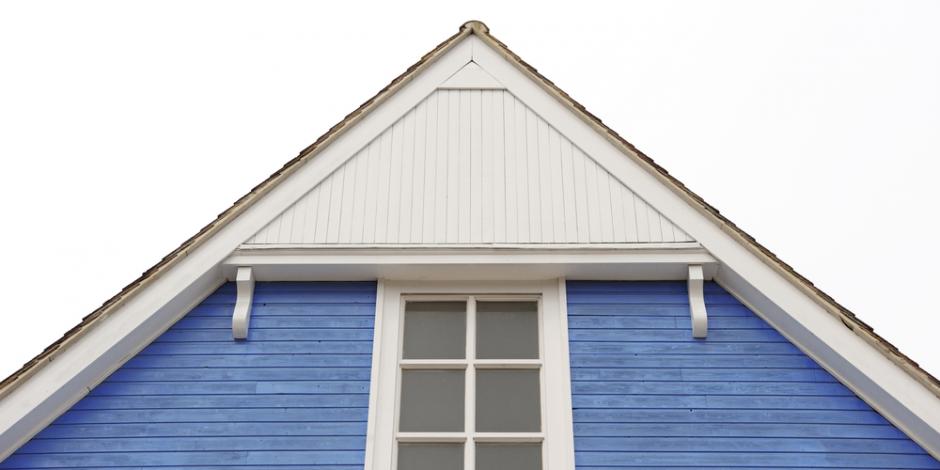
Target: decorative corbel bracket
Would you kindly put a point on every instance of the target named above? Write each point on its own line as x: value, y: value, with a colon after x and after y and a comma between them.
x: 697, y: 301
x: 245, y: 287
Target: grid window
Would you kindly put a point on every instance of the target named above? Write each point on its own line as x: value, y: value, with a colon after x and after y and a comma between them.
x: 470, y: 384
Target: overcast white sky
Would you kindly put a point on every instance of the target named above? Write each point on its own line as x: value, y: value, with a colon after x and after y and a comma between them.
x: 125, y: 127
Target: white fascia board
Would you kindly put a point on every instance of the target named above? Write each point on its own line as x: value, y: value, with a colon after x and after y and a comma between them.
x: 802, y: 317
x: 89, y: 357
x: 470, y: 263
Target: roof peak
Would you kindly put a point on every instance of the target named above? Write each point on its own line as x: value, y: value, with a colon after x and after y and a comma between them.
x: 476, y: 26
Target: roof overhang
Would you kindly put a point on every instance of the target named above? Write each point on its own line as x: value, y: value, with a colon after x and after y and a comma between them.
x: 335, y: 263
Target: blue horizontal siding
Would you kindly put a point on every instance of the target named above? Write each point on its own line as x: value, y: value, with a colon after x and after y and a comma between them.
x: 648, y: 395
x: 294, y: 395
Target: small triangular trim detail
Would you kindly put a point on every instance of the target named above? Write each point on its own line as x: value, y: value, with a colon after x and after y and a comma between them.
x: 472, y: 76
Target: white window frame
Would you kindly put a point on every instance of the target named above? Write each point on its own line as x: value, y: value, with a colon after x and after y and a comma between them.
x: 557, y: 435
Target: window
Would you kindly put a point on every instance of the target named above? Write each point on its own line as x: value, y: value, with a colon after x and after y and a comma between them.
x: 470, y: 384
x: 469, y: 377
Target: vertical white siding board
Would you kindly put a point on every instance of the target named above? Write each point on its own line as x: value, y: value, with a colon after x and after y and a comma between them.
x: 499, y: 167
x: 407, y: 179
x: 300, y: 217
x: 274, y: 230
x: 616, y: 209
x: 477, y: 165
x: 557, y: 188
x: 567, y: 175
x: 603, y: 205
x: 545, y: 182
x: 453, y: 166
x: 310, y: 224
x: 336, y: 205
x: 465, y: 169
x: 487, y: 168
x: 642, y: 220
x: 382, y: 205
x: 286, y: 219
x: 418, y: 194
x: 629, y: 214
x: 395, y: 183
x: 591, y: 186
x: 431, y: 163
x: 372, y: 192
x: 656, y: 228
x: 323, y: 211
x: 526, y: 177
x: 532, y: 160
x: 440, y: 159
x: 581, y: 194
x: 349, y: 195
x: 513, y: 175
x: 669, y: 232
x: 359, y: 197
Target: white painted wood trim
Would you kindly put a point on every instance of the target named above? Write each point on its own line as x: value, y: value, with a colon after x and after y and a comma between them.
x: 470, y: 264
x: 470, y: 385
x: 804, y: 317
x: 471, y: 77
x: 245, y: 289
x: 448, y: 247
x: 557, y: 432
x: 697, y: 301
x: 561, y: 413
x: 375, y: 375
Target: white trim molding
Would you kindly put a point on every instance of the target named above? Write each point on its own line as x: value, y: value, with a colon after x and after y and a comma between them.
x: 515, y: 262
x: 241, y: 316
x: 557, y: 434
x: 697, y: 301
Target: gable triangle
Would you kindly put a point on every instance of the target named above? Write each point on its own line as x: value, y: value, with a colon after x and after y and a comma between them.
x: 472, y: 76
x: 470, y: 166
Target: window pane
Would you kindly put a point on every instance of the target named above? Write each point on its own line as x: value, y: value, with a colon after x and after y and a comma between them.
x: 435, y: 330
x: 509, y: 456
x: 430, y: 456
x: 431, y: 400
x: 507, y: 330
x: 508, y: 401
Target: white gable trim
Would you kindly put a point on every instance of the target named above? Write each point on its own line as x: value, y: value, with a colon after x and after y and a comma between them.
x: 472, y: 77
x: 557, y: 422
x: 472, y: 263
x: 775, y: 295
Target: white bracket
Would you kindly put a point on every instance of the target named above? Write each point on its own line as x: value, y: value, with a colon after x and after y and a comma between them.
x: 697, y: 301
x: 245, y: 286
